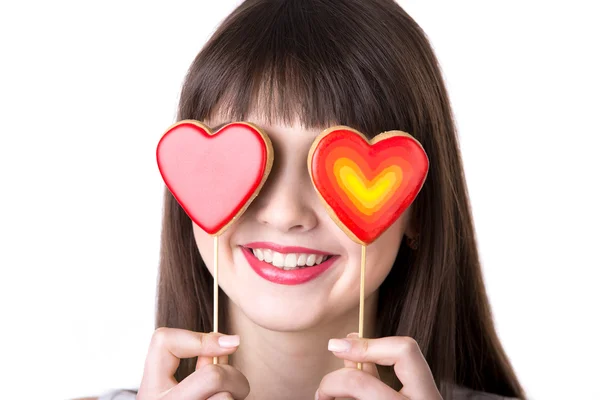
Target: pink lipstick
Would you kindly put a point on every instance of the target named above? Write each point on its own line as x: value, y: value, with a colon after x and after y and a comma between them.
x: 286, y: 277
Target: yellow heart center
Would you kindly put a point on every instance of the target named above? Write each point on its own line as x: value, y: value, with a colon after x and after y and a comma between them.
x: 367, y: 195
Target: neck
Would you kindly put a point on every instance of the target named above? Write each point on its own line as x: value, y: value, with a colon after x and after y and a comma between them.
x: 291, y: 365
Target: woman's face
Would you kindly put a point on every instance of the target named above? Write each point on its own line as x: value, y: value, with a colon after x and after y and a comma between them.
x: 288, y: 213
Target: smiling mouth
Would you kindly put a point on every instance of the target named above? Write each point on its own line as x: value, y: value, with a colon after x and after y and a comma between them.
x: 288, y: 261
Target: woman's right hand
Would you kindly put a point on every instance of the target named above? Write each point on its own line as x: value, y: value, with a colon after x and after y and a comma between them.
x: 209, y: 381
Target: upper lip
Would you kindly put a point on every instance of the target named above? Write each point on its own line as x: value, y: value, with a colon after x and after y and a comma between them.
x: 285, y: 249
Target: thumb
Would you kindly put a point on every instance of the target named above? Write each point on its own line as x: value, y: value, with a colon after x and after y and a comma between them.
x: 203, y: 360
x: 369, y: 368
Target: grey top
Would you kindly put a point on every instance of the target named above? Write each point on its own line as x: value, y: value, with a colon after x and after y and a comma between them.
x: 460, y: 393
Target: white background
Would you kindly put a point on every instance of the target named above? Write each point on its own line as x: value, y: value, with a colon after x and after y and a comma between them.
x: 87, y: 89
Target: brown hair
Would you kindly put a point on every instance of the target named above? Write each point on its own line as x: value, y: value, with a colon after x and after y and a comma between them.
x: 368, y: 65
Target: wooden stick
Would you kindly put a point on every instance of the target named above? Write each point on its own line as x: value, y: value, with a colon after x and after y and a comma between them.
x: 361, y: 310
x: 216, y: 289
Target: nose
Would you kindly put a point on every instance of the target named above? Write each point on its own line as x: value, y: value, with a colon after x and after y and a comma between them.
x: 285, y: 201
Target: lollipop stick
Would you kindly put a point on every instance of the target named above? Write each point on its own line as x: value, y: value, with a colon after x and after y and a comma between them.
x: 361, y: 310
x: 216, y: 290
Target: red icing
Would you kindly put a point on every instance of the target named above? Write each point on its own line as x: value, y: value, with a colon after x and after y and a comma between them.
x: 402, y: 150
x: 213, y: 177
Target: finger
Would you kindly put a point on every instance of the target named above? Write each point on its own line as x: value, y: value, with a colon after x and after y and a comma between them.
x: 202, y: 361
x: 168, y: 346
x: 369, y: 368
x: 402, y: 352
x: 210, y: 380
x: 356, y: 384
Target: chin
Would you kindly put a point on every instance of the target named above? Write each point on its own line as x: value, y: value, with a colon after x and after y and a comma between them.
x: 273, y: 313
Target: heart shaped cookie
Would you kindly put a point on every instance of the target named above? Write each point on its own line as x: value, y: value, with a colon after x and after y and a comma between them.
x: 366, y: 184
x: 214, y: 176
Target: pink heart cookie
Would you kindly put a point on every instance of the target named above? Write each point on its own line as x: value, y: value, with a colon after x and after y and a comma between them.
x: 214, y: 176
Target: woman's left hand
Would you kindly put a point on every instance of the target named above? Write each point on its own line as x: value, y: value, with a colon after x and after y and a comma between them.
x: 402, y: 352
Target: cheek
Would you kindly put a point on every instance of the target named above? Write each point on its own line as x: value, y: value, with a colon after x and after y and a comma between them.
x: 382, y: 253
x: 204, y: 242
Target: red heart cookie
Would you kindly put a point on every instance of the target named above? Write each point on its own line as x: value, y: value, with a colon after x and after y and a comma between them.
x: 214, y: 176
x: 366, y: 185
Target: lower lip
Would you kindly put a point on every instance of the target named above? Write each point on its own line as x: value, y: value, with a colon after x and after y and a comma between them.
x: 286, y: 277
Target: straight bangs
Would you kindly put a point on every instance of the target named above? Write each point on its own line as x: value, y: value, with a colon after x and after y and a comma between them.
x: 298, y: 65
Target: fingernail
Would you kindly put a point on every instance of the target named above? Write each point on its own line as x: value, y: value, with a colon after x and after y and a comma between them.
x: 317, y: 395
x: 229, y: 341
x: 338, y: 345
x: 352, y: 335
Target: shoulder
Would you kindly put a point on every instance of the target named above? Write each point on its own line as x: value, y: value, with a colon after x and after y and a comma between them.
x: 120, y: 394
x: 464, y: 393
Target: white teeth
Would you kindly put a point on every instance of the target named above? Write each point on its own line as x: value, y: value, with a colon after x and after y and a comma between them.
x: 268, y: 254
x: 278, y: 259
x: 302, y: 260
x: 259, y: 254
x: 290, y: 260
